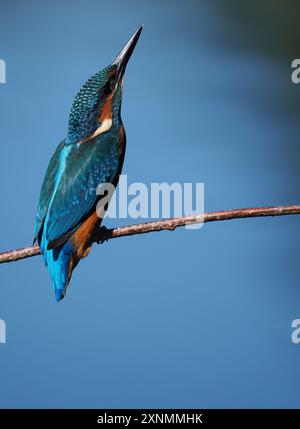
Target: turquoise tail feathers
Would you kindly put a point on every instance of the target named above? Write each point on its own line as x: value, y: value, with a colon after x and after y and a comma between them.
x: 58, y: 263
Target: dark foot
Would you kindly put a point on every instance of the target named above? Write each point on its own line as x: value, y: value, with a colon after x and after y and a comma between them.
x: 102, y: 229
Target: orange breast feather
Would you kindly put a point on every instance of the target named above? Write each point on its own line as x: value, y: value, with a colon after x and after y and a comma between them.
x: 82, y: 238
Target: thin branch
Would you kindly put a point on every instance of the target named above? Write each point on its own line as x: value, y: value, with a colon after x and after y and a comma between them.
x: 164, y: 224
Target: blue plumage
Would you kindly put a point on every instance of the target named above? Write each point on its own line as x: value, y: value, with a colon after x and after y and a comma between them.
x: 90, y: 164
x: 91, y: 154
x: 87, y: 105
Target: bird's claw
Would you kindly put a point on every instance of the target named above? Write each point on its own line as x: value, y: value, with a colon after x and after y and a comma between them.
x: 102, y: 229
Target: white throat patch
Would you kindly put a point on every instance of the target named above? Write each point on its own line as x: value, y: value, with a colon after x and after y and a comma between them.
x: 105, y: 126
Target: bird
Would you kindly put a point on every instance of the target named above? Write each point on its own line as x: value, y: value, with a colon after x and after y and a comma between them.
x: 91, y: 154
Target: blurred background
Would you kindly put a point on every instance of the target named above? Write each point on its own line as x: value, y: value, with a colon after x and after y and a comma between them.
x: 182, y: 319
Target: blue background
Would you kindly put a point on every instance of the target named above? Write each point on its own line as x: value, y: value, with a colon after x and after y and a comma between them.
x: 182, y: 319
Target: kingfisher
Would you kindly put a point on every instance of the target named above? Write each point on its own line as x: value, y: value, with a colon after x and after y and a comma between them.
x: 92, y: 154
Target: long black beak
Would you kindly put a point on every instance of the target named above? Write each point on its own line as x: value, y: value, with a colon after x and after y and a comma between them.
x: 122, y: 59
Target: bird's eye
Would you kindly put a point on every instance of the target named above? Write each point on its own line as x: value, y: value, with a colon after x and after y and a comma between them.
x: 109, y: 87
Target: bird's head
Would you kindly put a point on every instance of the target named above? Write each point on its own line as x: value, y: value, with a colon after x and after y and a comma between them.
x: 97, y: 105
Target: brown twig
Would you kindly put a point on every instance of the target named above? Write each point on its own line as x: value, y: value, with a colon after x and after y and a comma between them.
x: 164, y: 224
